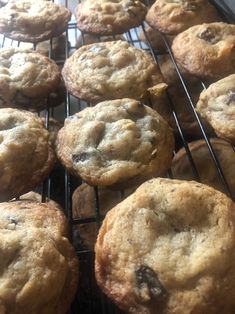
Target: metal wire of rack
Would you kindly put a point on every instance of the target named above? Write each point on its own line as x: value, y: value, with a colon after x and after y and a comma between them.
x: 60, y: 185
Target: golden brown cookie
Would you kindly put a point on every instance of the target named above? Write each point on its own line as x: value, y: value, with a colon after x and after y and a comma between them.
x: 84, y: 206
x: 26, y: 78
x: 169, y: 246
x: 110, y: 70
x: 33, y: 21
x: 39, y: 267
x: 173, y: 17
x: 26, y: 156
x: 182, y: 169
x: 206, y: 50
x: 88, y: 39
x: 115, y: 142
x: 104, y: 17
x: 217, y: 105
x: 53, y: 127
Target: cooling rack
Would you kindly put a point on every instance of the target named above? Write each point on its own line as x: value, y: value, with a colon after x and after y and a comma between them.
x: 60, y: 185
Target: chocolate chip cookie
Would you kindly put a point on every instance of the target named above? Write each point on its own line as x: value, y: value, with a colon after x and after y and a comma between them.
x: 207, y: 50
x: 39, y: 267
x: 33, y: 21
x: 26, y: 78
x: 109, y: 17
x: 115, y: 142
x: 182, y: 169
x: 169, y: 246
x: 217, y: 105
x: 26, y: 156
x: 110, y: 70
x: 174, y: 16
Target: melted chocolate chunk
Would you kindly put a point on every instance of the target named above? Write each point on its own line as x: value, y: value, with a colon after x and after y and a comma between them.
x: 231, y: 98
x: 208, y: 35
x: 147, y: 278
x: 81, y: 157
x: 13, y: 220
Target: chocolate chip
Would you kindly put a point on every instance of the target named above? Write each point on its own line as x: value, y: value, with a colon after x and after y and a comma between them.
x: 13, y: 220
x: 208, y: 35
x: 231, y: 98
x: 81, y: 157
x: 148, y: 280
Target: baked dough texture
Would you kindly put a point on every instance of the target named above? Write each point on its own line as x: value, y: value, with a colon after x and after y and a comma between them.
x: 110, y: 70
x: 206, y: 50
x: 106, y: 17
x: 115, y: 141
x: 26, y: 78
x: 169, y: 246
x: 217, y: 105
x: 182, y: 169
x: 173, y: 17
x: 33, y: 21
x: 39, y: 267
x: 26, y: 156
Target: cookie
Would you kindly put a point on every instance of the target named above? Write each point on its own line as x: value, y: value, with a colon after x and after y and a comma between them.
x: 33, y: 21
x: 206, y: 50
x: 84, y: 206
x: 109, y: 17
x: 154, y: 38
x: 173, y: 17
x: 53, y: 127
x: 115, y: 142
x: 169, y: 246
x: 26, y: 78
x: 26, y: 156
x: 39, y: 267
x: 217, y: 105
x: 110, y: 70
x: 182, y: 169
x: 88, y: 39
x: 56, y: 46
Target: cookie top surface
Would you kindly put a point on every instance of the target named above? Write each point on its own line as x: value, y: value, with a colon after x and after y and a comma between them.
x: 182, y: 169
x: 175, y: 16
x: 33, y: 21
x: 217, y: 105
x: 110, y: 70
x: 36, y: 256
x: 107, y: 17
x: 26, y: 77
x: 26, y: 157
x: 170, y: 246
x: 115, y: 141
x: 206, y: 50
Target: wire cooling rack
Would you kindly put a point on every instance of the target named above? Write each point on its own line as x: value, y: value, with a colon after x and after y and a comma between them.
x: 60, y: 185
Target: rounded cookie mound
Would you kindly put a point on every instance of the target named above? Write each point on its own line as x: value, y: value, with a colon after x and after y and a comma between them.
x: 182, y: 169
x: 26, y: 156
x: 26, y: 78
x: 169, y: 246
x: 110, y: 70
x: 109, y: 17
x: 38, y: 265
x: 115, y: 141
x: 217, y: 105
x: 206, y: 50
x: 173, y: 17
x: 33, y: 21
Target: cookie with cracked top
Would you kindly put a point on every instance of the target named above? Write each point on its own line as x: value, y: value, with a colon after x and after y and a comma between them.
x: 26, y: 156
x: 110, y: 70
x: 206, y: 50
x: 104, y: 17
x: 169, y: 246
x: 36, y: 255
x: 174, y: 16
x: 182, y: 169
x: 119, y: 141
x: 26, y: 78
x: 33, y: 21
x: 217, y: 105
